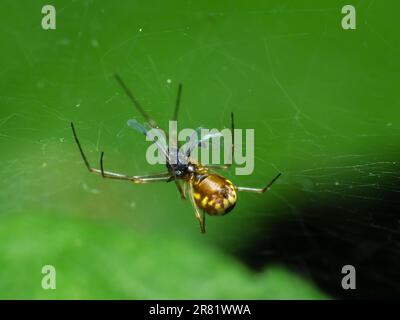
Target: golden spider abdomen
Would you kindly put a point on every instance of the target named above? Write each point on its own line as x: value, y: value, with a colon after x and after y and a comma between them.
x: 215, y: 194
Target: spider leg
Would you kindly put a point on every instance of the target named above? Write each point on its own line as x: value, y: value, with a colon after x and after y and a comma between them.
x: 174, y: 135
x: 112, y: 175
x: 228, y: 165
x: 136, y: 103
x: 219, y: 167
x: 199, y: 217
x: 259, y: 190
x: 177, y: 103
x: 135, y: 179
x: 184, y: 188
x: 180, y: 189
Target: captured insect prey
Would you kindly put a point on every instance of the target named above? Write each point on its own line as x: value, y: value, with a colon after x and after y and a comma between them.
x: 208, y: 191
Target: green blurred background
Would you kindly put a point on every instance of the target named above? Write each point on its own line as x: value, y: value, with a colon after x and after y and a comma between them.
x: 323, y: 102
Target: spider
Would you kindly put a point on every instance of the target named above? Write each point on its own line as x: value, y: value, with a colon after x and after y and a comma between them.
x: 208, y: 191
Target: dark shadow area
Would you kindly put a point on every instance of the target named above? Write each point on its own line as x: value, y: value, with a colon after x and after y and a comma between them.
x: 320, y: 232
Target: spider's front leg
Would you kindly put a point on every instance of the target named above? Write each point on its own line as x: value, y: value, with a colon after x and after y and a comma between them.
x: 112, y: 175
x: 228, y: 165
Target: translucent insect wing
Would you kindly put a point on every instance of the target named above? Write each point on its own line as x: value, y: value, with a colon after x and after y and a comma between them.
x: 153, y: 134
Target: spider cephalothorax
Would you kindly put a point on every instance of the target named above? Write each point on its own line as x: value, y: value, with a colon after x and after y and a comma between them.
x: 180, y: 168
